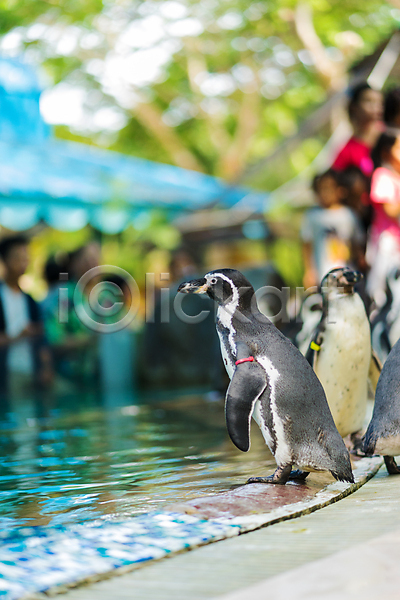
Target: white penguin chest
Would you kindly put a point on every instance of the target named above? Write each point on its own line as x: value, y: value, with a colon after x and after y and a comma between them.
x: 226, y: 356
x: 343, y: 363
x: 227, y: 335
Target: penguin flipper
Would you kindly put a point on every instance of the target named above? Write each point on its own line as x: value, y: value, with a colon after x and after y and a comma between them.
x: 314, y: 348
x: 375, y: 368
x: 248, y: 383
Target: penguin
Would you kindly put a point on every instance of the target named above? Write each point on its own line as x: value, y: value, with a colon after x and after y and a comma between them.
x: 380, y: 339
x: 340, y: 350
x: 383, y: 433
x: 393, y: 316
x: 272, y: 382
x: 385, y: 320
x: 310, y: 315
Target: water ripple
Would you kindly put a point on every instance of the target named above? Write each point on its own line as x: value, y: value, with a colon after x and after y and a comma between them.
x: 80, y: 464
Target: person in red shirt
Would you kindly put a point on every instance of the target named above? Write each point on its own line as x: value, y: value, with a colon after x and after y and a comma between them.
x: 384, y: 243
x: 365, y: 112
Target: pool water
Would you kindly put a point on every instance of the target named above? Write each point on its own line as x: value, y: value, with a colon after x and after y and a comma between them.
x: 85, y: 459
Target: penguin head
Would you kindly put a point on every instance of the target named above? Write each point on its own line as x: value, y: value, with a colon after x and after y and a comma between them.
x: 223, y: 286
x: 341, y: 280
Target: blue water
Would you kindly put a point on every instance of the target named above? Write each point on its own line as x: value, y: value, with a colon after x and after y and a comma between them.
x: 76, y: 458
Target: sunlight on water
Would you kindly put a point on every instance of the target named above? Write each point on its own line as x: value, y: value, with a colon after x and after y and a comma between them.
x: 85, y: 461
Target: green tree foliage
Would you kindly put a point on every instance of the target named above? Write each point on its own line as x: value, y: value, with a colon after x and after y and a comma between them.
x: 211, y: 85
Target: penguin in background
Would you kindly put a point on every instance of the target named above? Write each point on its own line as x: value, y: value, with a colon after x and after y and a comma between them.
x: 385, y: 321
x: 340, y: 351
x: 393, y: 316
x: 272, y: 382
x: 383, y: 433
x: 310, y: 315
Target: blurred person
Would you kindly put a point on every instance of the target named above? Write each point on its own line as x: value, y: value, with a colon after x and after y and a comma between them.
x: 25, y: 360
x: 83, y: 259
x: 391, y: 112
x: 73, y: 344
x: 365, y: 111
x: 384, y: 241
x: 356, y: 195
x: 271, y: 296
x: 116, y: 346
x: 175, y: 352
x: 183, y: 264
x: 55, y: 266
x: 331, y: 232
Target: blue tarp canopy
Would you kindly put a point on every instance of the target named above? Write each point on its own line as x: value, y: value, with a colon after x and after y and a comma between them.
x: 69, y: 185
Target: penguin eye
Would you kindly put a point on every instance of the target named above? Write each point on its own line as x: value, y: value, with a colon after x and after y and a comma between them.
x: 213, y: 280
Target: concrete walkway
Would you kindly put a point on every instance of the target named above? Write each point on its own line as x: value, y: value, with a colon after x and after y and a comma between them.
x: 367, y: 571
x: 347, y: 550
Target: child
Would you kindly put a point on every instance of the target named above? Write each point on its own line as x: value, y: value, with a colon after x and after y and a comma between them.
x: 331, y: 233
x: 384, y: 242
x: 356, y: 196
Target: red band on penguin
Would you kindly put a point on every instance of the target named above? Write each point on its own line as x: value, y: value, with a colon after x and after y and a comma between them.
x: 243, y: 360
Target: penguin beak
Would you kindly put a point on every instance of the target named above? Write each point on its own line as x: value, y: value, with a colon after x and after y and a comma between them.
x: 352, y: 277
x: 348, y: 280
x: 196, y: 286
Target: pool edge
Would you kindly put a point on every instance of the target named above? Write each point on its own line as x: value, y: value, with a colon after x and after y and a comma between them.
x: 365, y: 469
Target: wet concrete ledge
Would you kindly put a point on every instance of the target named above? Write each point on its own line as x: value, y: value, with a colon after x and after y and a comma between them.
x: 258, y: 505
x: 37, y: 562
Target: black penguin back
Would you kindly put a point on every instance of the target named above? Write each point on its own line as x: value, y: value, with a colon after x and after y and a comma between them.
x: 298, y: 400
x: 385, y: 420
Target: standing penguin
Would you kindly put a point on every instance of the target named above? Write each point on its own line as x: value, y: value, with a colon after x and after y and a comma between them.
x: 340, y: 351
x: 383, y: 433
x: 385, y: 320
x: 271, y: 381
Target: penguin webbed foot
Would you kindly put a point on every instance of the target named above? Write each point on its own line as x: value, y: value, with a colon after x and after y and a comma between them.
x: 356, y: 444
x: 281, y: 476
x: 298, y: 475
x: 391, y: 465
